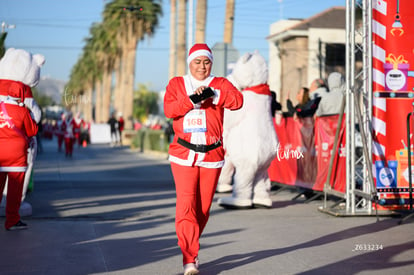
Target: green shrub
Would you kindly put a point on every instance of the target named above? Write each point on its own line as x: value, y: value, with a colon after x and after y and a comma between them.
x: 148, y: 139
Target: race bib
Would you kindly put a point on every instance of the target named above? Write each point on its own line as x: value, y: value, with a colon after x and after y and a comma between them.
x: 195, y: 121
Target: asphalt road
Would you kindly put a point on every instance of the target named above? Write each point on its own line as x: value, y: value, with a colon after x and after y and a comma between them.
x: 111, y: 211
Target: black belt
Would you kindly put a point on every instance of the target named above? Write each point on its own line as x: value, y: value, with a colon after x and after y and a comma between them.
x: 199, y: 147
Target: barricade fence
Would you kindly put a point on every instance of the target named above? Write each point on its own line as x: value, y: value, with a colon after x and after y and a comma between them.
x: 304, y: 152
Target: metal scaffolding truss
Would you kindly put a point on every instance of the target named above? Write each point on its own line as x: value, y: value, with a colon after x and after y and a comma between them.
x: 360, y: 189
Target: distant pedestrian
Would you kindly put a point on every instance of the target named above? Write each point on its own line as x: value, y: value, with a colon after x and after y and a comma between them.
x: 16, y: 127
x: 196, y: 152
x: 39, y: 137
x: 77, y: 125
x: 275, y: 106
x: 305, y: 106
x: 317, y: 88
x: 59, y: 130
x: 114, y: 125
x: 331, y: 102
x: 69, y: 135
x: 121, y: 122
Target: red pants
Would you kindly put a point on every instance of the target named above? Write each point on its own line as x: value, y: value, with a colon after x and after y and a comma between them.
x: 77, y: 139
x: 195, y: 188
x: 14, y: 195
x: 60, y: 142
x: 69, y: 146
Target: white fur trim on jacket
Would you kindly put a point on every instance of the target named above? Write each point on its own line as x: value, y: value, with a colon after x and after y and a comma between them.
x: 13, y: 169
x: 189, y: 162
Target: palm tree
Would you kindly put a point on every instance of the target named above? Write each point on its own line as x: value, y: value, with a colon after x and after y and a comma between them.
x: 173, y: 51
x: 81, y: 83
x: 228, y: 22
x: 201, y: 14
x: 106, y: 49
x: 132, y: 20
x: 181, y: 37
x: 3, y: 36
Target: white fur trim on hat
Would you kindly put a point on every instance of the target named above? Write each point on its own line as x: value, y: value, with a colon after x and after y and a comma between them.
x: 199, y: 53
x: 199, y: 49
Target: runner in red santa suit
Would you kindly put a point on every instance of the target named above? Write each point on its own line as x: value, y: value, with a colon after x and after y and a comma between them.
x: 60, y: 131
x: 196, y: 153
x: 16, y: 126
x: 77, y: 124
x: 69, y: 135
x: 121, y: 127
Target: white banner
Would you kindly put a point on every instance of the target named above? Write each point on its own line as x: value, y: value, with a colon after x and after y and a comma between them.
x: 100, y: 133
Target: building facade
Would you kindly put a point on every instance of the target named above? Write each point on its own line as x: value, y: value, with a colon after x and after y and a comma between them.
x: 301, y: 50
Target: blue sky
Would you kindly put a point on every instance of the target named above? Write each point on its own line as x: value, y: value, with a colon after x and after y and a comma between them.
x: 57, y: 29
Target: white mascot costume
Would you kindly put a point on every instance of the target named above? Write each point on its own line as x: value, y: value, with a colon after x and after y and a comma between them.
x: 249, y: 138
x: 21, y: 66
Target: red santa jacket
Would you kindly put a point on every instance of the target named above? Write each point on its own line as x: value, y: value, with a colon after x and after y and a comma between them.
x: 59, y: 128
x: 16, y: 125
x: 179, y: 107
x: 77, y: 124
x: 121, y: 124
x: 29, y: 102
x: 69, y: 128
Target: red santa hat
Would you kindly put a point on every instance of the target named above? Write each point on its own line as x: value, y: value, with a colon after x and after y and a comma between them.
x: 198, y: 50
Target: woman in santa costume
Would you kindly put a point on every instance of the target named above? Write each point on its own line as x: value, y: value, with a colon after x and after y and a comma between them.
x: 77, y: 124
x: 16, y: 126
x: 196, y: 104
x: 69, y: 135
x: 60, y: 129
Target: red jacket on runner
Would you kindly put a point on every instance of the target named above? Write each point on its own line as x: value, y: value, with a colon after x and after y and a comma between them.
x: 178, y: 104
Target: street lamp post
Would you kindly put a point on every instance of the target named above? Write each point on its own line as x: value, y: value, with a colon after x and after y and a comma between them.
x: 5, y: 26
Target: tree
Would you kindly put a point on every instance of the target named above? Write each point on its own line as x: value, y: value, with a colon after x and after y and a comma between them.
x: 145, y: 103
x: 201, y: 14
x: 173, y: 48
x: 42, y: 100
x: 181, y: 38
x: 105, y: 45
x: 132, y: 20
x: 82, y: 77
x: 228, y: 22
x: 3, y: 36
x: 85, y: 76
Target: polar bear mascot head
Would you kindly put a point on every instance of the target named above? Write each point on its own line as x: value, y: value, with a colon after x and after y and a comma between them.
x: 249, y: 75
x: 23, y: 67
x: 20, y: 65
x: 250, y: 70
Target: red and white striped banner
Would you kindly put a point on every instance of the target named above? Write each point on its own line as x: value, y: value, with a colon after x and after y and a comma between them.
x: 393, y: 82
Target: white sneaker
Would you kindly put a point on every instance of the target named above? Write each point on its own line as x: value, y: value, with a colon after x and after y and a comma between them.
x: 262, y: 203
x: 190, y: 269
x: 234, y: 203
x: 224, y: 188
x: 197, y: 262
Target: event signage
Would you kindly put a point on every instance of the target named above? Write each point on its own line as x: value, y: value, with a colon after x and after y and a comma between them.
x: 304, y: 152
x: 393, y: 97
